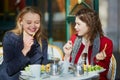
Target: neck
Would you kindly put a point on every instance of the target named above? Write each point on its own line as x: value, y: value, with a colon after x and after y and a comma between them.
x: 85, y: 40
x: 25, y: 34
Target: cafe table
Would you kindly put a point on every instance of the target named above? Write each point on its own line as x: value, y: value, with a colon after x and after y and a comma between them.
x: 63, y: 76
x: 93, y: 75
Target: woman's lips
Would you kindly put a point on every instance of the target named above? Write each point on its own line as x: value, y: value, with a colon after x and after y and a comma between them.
x: 77, y: 31
x: 32, y: 30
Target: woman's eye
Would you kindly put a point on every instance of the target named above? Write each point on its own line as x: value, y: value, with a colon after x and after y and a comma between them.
x: 37, y: 22
x: 28, y: 22
x: 77, y: 24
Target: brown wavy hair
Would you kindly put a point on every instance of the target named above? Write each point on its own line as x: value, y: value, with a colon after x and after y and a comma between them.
x: 18, y: 29
x: 91, y: 18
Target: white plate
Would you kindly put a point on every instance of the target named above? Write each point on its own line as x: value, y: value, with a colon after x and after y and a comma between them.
x: 99, y: 71
x: 25, y: 74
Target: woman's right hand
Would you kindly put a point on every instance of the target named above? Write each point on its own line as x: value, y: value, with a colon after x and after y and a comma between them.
x: 28, y: 42
x: 67, y: 49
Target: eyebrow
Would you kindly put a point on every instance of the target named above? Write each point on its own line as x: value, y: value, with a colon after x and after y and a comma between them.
x: 31, y: 20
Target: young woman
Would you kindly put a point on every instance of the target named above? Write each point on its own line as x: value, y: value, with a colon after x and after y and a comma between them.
x: 23, y: 45
x: 89, y: 39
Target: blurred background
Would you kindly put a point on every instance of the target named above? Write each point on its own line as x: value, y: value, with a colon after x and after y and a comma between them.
x: 58, y: 19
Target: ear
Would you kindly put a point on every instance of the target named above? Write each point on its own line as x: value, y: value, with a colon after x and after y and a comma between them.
x: 20, y: 21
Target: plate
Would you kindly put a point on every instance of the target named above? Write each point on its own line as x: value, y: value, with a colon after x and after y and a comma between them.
x: 102, y: 70
x: 25, y: 74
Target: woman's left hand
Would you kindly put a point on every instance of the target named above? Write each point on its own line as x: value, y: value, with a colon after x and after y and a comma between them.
x: 102, y: 55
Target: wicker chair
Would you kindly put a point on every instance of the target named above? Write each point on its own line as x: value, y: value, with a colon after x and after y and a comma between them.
x: 55, y: 51
x: 1, y: 55
x: 112, y: 69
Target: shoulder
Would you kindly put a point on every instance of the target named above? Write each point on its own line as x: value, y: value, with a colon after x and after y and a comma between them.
x: 105, y: 39
x: 10, y: 36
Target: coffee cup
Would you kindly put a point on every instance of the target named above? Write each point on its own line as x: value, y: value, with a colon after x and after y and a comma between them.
x: 35, y: 71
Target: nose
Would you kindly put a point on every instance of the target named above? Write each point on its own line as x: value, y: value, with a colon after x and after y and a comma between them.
x: 75, y: 27
x: 32, y: 25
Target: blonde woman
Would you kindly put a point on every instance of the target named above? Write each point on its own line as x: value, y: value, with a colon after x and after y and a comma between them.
x: 24, y: 45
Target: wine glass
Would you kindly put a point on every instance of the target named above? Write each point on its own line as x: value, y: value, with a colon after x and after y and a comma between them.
x: 50, y: 54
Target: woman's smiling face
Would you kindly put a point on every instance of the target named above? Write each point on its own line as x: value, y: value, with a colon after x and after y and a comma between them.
x: 30, y: 23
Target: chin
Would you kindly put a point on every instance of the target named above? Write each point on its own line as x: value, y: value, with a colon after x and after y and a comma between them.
x: 30, y: 33
x: 79, y: 34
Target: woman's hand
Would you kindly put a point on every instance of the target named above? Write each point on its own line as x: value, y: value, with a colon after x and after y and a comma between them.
x: 102, y: 54
x: 67, y: 50
x: 28, y: 42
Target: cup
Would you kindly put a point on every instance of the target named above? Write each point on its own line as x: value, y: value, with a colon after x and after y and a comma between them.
x: 50, y: 53
x: 35, y: 70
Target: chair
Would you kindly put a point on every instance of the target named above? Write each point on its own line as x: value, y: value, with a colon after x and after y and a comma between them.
x: 54, y: 51
x: 60, y: 44
x: 112, y: 69
x: 1, y: 55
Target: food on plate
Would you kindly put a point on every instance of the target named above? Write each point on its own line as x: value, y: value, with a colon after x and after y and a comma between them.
x: 42, y: 68
x: 27, y: 68
x: 45, y: 68
x: 91, y: 68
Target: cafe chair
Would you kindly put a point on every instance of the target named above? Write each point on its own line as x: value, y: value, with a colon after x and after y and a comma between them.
x: 112, y: 68
x: 1, y: 55
x: 54, y: 51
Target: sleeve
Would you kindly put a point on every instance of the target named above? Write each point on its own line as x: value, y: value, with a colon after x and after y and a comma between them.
x: 73, y: 37
x: 13, y: 57
x: 109, y: 50
x: 105, y: 63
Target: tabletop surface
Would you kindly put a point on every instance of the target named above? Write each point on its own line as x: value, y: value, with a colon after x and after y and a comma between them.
x: 63, y: 76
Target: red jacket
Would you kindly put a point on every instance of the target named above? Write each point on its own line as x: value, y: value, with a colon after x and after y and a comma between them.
x: 103, y: 63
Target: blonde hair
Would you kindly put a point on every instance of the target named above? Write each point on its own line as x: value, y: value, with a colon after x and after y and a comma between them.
x: 18, y: 29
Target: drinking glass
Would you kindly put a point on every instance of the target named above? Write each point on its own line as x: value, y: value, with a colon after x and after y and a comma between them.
x: 50, y: 53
